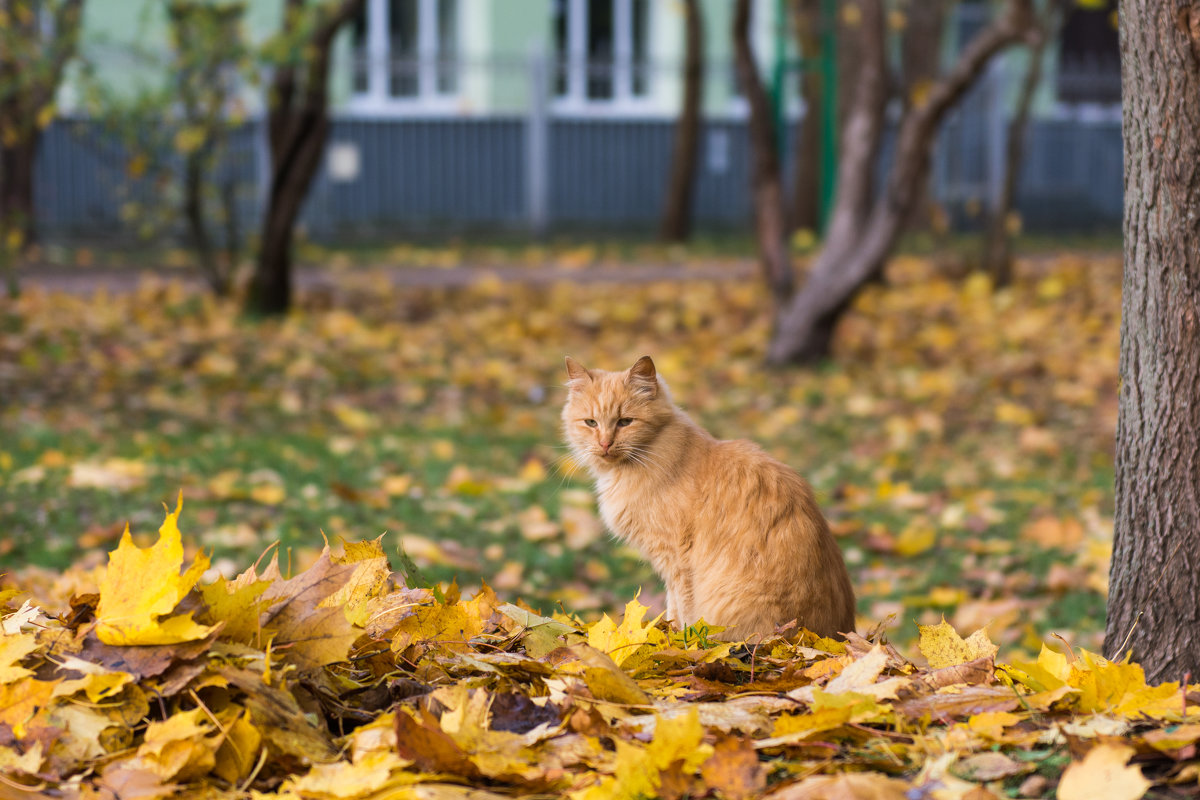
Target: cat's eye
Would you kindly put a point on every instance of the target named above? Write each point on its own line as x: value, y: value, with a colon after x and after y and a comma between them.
x: 591, y: 423
x: 624, y: 422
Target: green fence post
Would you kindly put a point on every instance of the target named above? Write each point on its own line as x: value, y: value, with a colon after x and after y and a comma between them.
x: 778, y: 73
x: 829, y: 128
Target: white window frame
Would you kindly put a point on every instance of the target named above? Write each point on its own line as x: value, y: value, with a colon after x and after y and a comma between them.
x: 576, y: 101
x: 377, y: 99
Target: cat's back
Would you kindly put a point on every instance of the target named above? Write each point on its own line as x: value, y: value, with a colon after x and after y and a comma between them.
x: 742, y: 471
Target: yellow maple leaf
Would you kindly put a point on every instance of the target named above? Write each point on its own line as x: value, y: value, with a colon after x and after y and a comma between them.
x: 451, y: 625
x: 368, y: 581
x: 625, y: 643
x: 943, y: 647
x: 21, y: 700
x: 180, y: 747
x: 141, y: 586
x: 238, y: 604
x: 239, y: 750
x: 13, y: 648
x: 639, y: 769
x: 1103, y: 772
x: 1121, y: 689
x: 991, y: 724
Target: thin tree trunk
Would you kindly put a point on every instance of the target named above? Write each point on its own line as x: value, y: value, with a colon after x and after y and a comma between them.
x: 766, y: 182
x: 1154, y: 594
x: 855, y: 249
x: 16, y: 189
x: 297, y: 129
x: 921, y: 62
x: 997, y: 249
x: 677, y: 216
x: 195, y: 165
x: 31, y: 68
x: 806, y: 180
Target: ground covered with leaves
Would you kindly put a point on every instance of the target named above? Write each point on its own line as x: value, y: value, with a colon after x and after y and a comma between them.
x: 337, y: 682
x: 960, y: 444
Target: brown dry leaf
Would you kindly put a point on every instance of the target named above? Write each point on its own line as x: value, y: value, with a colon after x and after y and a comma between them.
x: 422, y: 741
x: 733, y: 769
x: 277, y: 716
x: 606, y: 680
x: 1103, y: 772
x: 989, y: 766
x: 846, y: 786
x: 305, y: 632
x: 1065, y: 533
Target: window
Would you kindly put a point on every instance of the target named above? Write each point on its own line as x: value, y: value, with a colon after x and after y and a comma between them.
x: 1089, y: 64
x: 405, y: 52
x: 601, y: 51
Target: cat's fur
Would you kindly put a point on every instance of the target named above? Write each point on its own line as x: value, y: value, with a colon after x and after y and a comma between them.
x: 736, y: 536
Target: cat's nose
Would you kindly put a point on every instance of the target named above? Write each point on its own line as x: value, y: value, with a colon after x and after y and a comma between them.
x: 604, y: 446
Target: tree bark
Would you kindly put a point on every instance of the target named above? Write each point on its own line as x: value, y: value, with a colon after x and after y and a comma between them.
x: 766, y: 183
x: 856, y: 247
x: 677, y: 216
x: 997, y: 249
x: 16, y: 187
x: 297, y: 129
x: 806, y: 180
x: 1154, y: 595
x: 921, y: 62
x: 31, y: 68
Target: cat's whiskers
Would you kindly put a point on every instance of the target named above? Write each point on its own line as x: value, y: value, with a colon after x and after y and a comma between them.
x: 645, y: 458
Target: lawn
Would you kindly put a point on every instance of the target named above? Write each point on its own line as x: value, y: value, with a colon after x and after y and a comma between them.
x: 960, y: 442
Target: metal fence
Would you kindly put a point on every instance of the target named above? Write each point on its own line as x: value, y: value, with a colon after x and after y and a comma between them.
x: 546, y: 169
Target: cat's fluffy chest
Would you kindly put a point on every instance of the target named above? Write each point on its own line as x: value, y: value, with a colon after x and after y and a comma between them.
x: 640, y: 509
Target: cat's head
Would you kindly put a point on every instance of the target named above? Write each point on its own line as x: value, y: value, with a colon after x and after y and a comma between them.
x: 612, y: 418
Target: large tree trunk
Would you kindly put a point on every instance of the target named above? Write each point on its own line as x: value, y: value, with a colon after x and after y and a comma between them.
x: 1154, y: 595
x: 806, y: 170
x: 766, y: 183
x: 677, y: 216
x: 856, y: 247
x: 297, y: 129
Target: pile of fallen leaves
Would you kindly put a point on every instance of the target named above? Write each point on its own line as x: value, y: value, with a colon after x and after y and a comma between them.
x: 341, y: 682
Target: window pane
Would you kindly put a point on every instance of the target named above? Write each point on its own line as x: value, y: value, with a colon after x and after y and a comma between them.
x: 402, y: 40
x: 640, y: 40
x: 558, y: 17
x: 359, y: 59
x: 447, y: 45
x: 600, y: 49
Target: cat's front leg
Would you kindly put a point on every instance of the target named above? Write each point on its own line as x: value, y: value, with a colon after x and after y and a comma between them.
x: 672, y: 611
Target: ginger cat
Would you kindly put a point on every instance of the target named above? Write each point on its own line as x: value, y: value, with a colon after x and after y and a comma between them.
x: 736, y: 536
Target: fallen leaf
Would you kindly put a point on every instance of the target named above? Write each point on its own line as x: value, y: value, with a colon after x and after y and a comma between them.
x: 141, y: 588
x: 943, y: 647
x: 1103, y: 772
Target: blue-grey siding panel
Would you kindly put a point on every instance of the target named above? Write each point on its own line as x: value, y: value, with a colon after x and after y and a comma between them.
x: 422, y: 174
x: 441, y: 175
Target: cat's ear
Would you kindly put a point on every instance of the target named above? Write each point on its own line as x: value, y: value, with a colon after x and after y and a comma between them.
x: 643, y: 377
x: 576, y: 371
